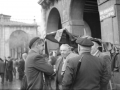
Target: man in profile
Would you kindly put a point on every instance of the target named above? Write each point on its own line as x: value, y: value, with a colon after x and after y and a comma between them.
x: 105, y: 56
x: 36, y: 66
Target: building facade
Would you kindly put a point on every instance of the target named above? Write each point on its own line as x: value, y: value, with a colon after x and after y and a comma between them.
x: 99, y: 18
x: 15, y: 36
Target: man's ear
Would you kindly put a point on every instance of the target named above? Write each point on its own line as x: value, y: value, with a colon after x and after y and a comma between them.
x: 78, y: 48
x: 36, y: 44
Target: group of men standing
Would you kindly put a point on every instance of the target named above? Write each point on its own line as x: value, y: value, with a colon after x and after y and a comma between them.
x: 10, y: 67
x: 89, y: 69
x: 6, y: 68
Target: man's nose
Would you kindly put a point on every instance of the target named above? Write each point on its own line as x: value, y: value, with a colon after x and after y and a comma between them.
x: 61, y: 52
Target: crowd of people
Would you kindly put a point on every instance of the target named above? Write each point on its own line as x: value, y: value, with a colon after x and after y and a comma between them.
x: 11, y: 68
x: 84, y: 68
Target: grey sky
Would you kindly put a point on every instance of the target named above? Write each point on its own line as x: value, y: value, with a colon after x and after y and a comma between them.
x: 22, y: 10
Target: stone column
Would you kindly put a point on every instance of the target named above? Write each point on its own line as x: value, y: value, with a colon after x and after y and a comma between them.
x: 75, y: 23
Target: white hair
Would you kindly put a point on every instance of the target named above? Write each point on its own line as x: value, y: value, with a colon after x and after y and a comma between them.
x: 66, y: 45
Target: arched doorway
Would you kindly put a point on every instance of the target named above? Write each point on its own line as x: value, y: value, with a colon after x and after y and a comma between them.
x: 53, y: 24
x: 84, y: 15
x: 18, y: 43
x: 91, y: 17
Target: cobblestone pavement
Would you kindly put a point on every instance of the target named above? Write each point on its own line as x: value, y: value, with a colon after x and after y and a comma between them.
x: 15, y: 85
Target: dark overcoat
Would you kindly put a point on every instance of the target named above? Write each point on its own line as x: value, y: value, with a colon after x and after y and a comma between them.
x: 35, y: 66
x: 10, y: 65
x: 21, y: 67
x: 2, y: 67
x: 91, y: 75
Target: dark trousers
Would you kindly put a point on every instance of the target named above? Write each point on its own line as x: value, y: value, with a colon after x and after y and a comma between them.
x: 2, y: 77
x: 9, y: 76
x: 21, y: 76
x: 14, y: 72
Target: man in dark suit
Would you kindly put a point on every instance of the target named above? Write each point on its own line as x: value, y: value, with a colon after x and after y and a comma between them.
x: 2, y: 70
x: 10, y: 69
x: 36, y: 67
x: 66, y: 53
x: 91, y: 75
x: 105, y: 56
x: 21, y: 68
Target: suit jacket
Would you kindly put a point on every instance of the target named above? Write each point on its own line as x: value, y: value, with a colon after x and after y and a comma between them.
x: 91, y: 75
x: 71, y: 55
x: 35, y: 66
x: 107, y: 60
x: 107, y: 64
x: 10, y: 65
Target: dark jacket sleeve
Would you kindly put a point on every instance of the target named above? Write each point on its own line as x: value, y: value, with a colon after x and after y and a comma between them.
x: 42, y: 65
x: 68, y: 75
x: 106, y: 75
x: 10, y: 65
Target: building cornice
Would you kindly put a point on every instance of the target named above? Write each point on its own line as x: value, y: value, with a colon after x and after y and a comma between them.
x: 17, y: 24
x: 46, y: 3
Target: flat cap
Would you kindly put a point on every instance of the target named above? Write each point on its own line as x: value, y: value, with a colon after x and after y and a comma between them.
x: 32, y: 41
x: 96, y: 40
x: 84, y: 42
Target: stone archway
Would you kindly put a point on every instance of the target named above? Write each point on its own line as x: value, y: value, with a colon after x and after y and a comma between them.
x: 84, y: 15
x: 92, y: 18
x: 18, y: 43
x: 53, y: 24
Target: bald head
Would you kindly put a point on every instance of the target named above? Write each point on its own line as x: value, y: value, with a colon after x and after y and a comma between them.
x: 65, y: 46
x: 65, y: 50
x: 24, y: 56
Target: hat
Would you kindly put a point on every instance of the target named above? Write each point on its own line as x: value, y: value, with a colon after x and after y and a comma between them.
x: 32, y: 41
x: 96, y: 40
x: 84, y: 42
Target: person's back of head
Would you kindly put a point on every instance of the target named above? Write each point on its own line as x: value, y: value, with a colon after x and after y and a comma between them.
x: 84, y: 44
x: 8, y: 58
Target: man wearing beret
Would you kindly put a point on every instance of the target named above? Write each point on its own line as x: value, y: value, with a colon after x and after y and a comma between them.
x: 36, y: 66
x: 105, y: 56
x: 91, y: 75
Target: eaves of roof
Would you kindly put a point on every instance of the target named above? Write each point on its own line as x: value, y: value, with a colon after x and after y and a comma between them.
x: 15, y: 23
